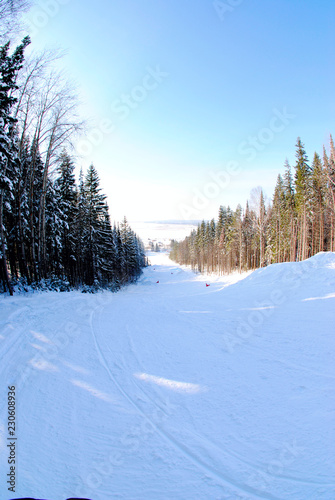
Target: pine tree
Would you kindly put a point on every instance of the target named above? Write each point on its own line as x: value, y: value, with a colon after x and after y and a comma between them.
x: 329, y: 168
x: 35, y: 176
x: 299, y: 222
x: 21, y: 210
x: 290, y: 233
x: 248, y: 237
x: 95, y: 217
x: 119, y: 257
x: 275, y: 247
x: 209, y: 244
x: 302, y: 199
x: 319, y: 188
x: 66, y: 186
x: 106, y: 257
x: 129, y: 265
x: 220, y: 237
x: 9, y: 68
x: 11, y: 214
x: 80, y: 230
x: 53, y: 263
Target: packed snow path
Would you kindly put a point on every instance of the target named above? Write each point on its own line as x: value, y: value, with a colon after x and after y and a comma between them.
x: 175, y: 390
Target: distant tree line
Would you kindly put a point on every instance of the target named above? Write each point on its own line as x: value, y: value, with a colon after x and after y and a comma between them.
x: 51, y: 229
x: 154, y: 247
x: 298, y: 223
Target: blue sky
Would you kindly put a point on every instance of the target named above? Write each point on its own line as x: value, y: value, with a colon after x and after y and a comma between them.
x: 182, y: 93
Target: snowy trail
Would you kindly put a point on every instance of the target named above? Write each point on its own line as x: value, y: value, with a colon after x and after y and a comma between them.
x: 175, y: 390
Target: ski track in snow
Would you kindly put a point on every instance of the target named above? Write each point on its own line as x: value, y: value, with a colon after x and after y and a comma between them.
x: 191, y: 456
x: 174, y: 389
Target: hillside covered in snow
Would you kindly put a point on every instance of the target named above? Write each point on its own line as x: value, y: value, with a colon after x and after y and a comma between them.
x: 171, y: 389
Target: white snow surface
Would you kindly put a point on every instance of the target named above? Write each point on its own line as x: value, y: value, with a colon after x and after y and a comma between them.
x: 175, y: 390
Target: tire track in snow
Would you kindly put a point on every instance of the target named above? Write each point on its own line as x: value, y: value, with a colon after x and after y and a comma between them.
x: 198, y: 462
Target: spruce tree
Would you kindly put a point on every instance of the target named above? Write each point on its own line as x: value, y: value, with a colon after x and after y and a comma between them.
x: 302, y: 199
x: 275, y: 247
x: 290, y: 231
x: 35, y: 179
x: 53, y: 263
x: 10, y: 65
x: 106, y: 257
x: 67, y: 193
x: 95, y: 202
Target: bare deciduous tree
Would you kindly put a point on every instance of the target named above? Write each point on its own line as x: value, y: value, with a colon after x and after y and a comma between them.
x: 46, y: 110
x: 10, y: 11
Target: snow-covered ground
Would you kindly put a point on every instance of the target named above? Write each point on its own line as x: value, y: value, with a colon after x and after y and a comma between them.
x: 175, y: 390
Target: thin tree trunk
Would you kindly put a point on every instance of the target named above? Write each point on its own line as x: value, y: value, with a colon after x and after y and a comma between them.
x: 3, y: 248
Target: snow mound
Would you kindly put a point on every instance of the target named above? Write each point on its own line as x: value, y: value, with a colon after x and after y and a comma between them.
x: 323, y: 259
x: 320, y: 266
